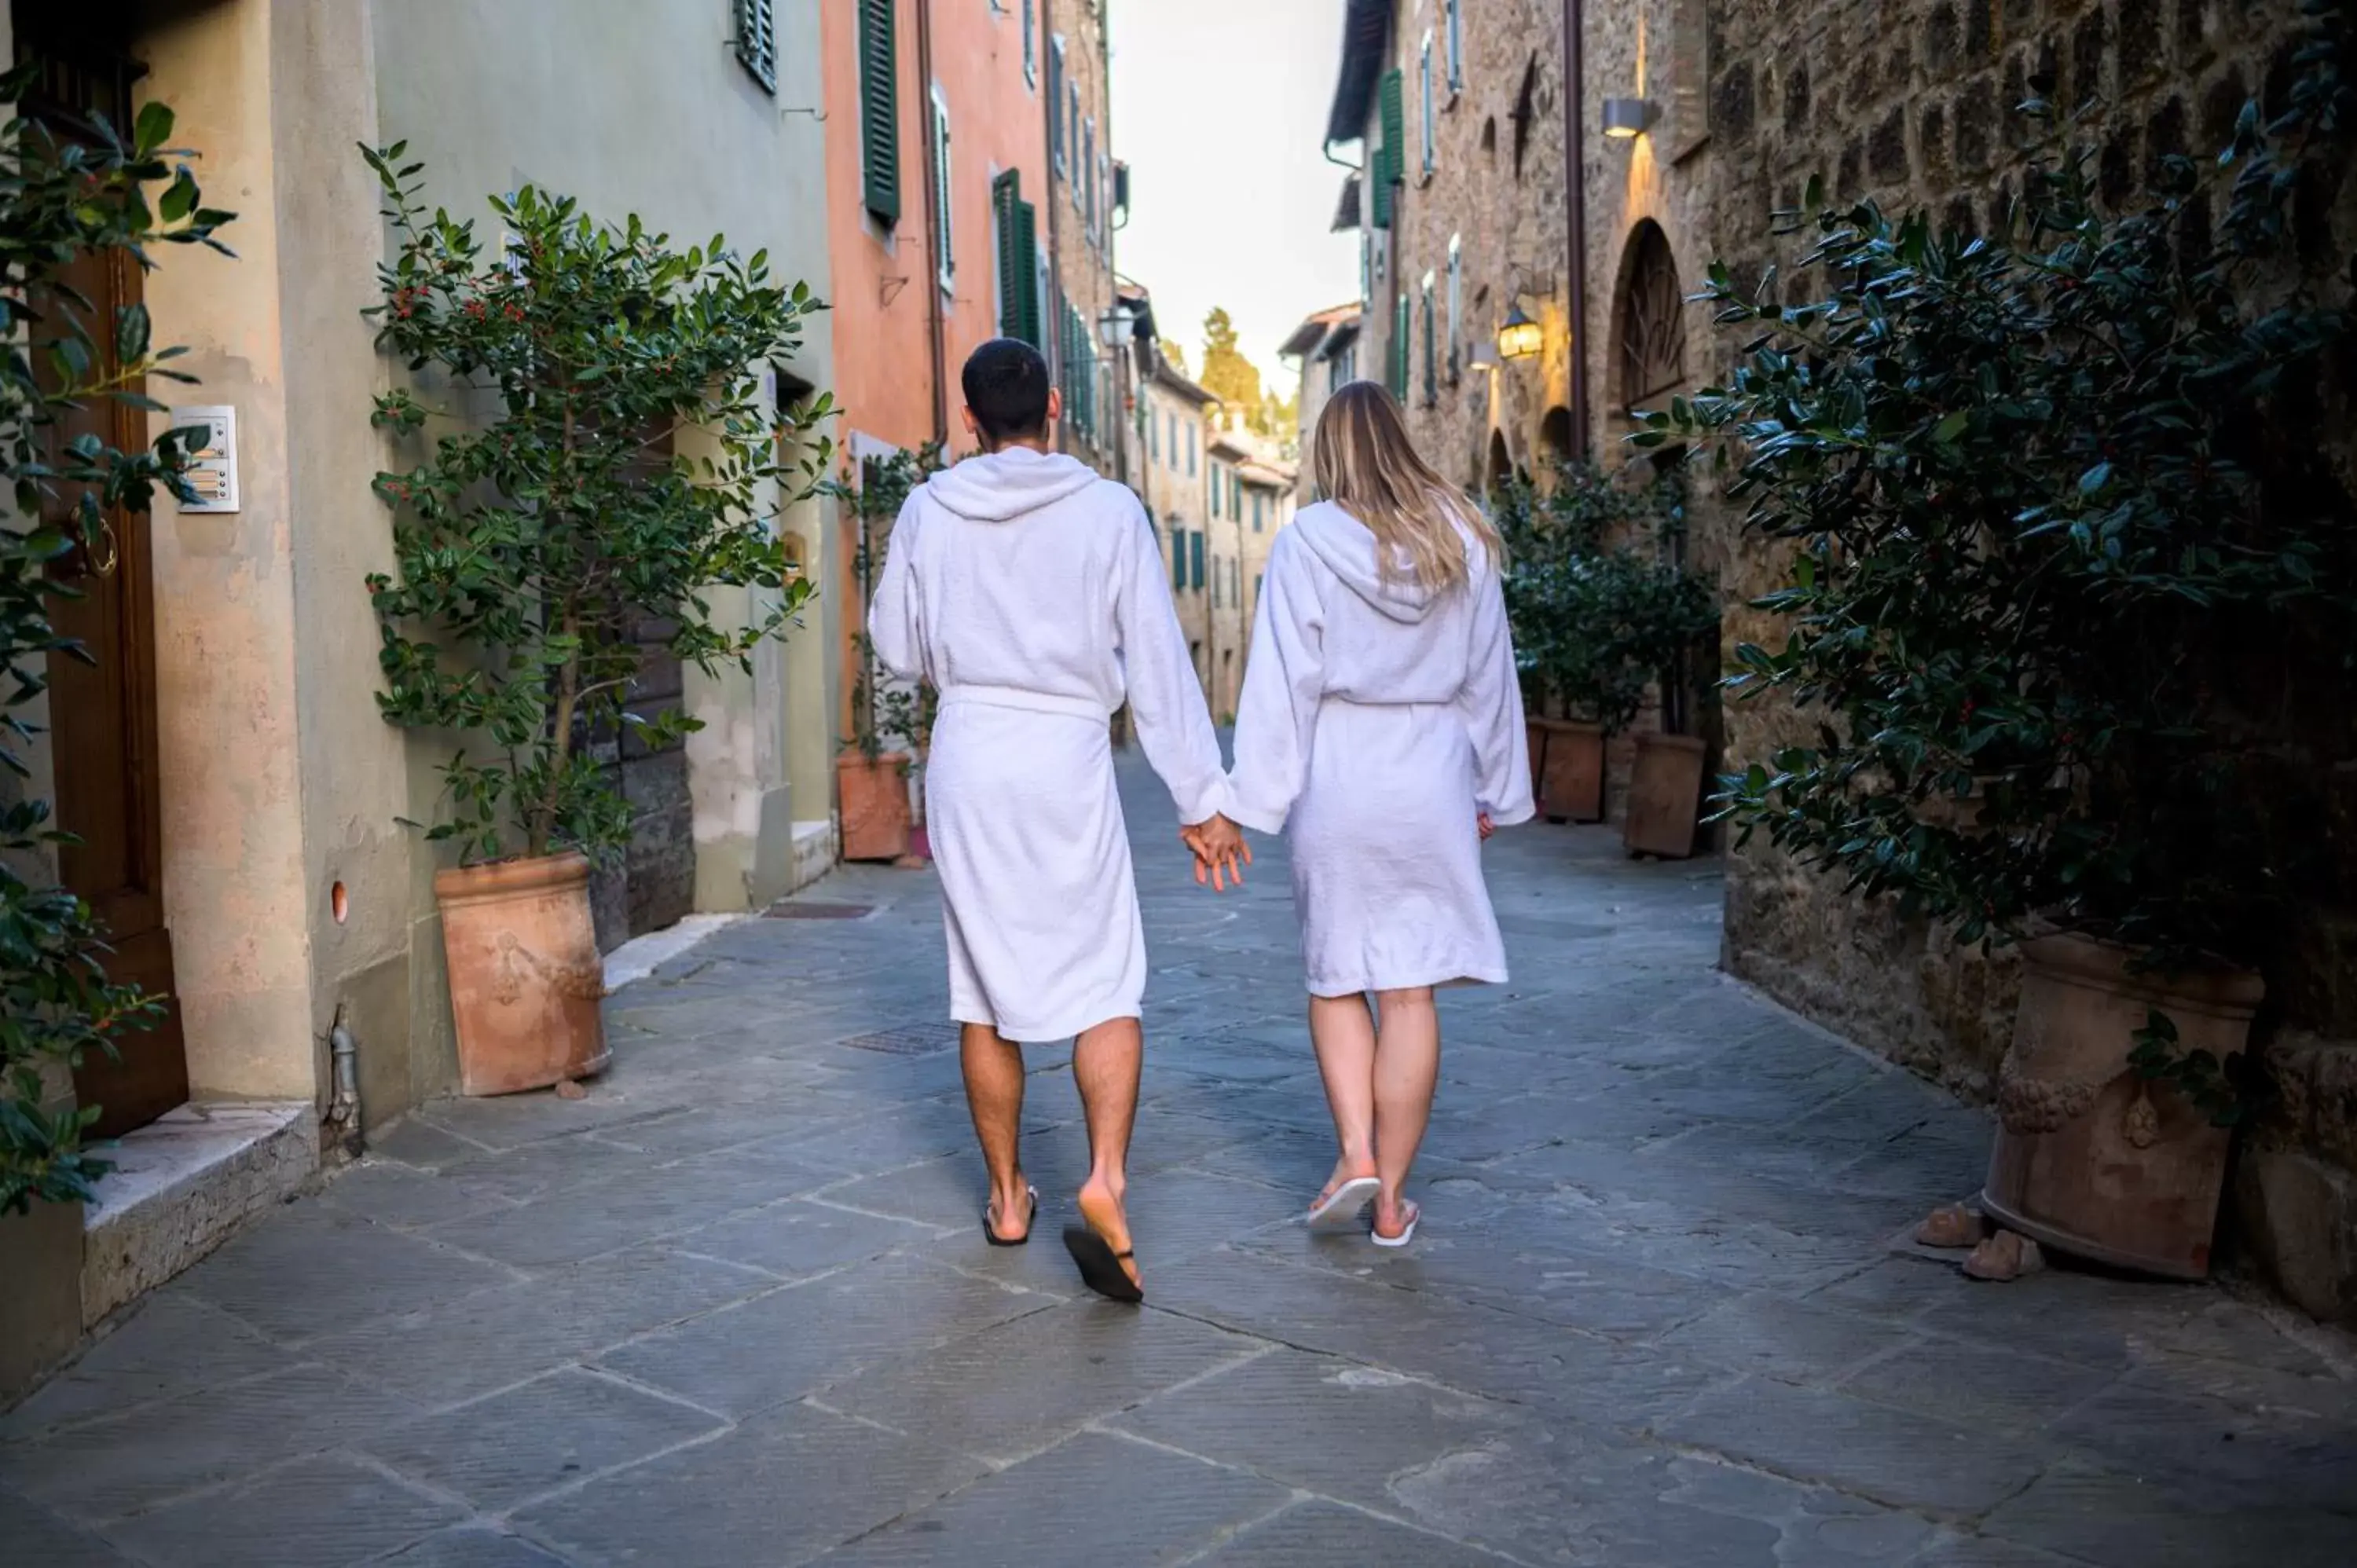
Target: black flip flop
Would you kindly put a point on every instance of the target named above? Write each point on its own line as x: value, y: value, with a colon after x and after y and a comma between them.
x: 995, y: 1240
x: 1101, y: 1267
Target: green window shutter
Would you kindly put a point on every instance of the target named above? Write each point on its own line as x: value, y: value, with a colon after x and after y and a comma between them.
x: 1014, y: 259
x: 756, y: 42
x: 880, y: 110
x: 1390, y: 166
x: 1026, y: 274
x: 1197, y: 560
x: 1178, y: 558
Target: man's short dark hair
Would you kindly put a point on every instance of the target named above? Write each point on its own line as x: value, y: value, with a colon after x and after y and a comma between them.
x: 1006, y: 383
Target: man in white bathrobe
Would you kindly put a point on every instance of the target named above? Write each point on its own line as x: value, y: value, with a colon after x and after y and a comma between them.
x: 1032, y: 595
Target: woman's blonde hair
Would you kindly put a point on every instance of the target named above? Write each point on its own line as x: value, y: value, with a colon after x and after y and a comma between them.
x: 1364, y: 461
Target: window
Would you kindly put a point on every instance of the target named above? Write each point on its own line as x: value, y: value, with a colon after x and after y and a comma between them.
x: 1215, y: 490
x: 1017, y: 224
x: 1153, y: 436
x: 1256, y: 517
x: 1055, y: 105
x: 1455, y: 304
x: 1388, y: 170
x: 1174, y: 440
x: 1652, y: 318
x: 1431, y: 358
x: 1178, y: 556
x: 1191, y: 451
x: 947, y: 275
x: 1235, y: 581
x: 1031, y: 40
x: 880, y: 112
x: 1403, y: 323
x: 1109, y: 204
x: 756, y: 42
x: 1219, y: 581
x: 1235, y: 501
x: 1079, y: 173
x: 1086, y: 187
x: 1456, y: 47
x: 1431, y: 109
x: 1195, y: 559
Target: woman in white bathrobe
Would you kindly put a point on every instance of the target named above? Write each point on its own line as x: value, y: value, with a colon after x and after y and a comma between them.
x: 1381, y: 730
x: 1030, y: 594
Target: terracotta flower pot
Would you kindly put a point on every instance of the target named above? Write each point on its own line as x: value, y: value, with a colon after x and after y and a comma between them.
x: 525, y: 976
x: 875, y: 802
x: 1571, y: 781
x: 1664, y: 796
x: 2090, y: 1158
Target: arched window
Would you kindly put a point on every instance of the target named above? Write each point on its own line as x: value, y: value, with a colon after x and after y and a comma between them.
x: 1650, y: 318
x: 1554, y: 439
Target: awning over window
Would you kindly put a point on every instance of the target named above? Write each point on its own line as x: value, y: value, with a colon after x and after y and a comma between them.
x: 1366, y: 40
x: 1346, y: 212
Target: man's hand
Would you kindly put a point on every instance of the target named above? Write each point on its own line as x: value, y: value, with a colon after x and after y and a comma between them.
x: 1220, y: 850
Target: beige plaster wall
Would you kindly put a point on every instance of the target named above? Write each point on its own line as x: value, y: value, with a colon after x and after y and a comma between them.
x: 237, y: 881
x: 641, y: 106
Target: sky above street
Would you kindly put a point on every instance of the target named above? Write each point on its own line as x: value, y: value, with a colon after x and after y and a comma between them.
x: 1219, y: 107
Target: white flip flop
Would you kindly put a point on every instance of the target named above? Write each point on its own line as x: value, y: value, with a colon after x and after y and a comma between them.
x: 1346, y: 1206
x: 1415, y: 1214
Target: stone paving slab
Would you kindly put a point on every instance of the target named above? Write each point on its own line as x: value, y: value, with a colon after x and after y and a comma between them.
x: 731, y: 1308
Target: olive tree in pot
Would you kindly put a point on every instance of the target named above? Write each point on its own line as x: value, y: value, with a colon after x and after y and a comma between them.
x: 891, y: 722
x: 2052, y: 501
x: 533, y: 546
x: 1599, y: 611
x: 68, y: 491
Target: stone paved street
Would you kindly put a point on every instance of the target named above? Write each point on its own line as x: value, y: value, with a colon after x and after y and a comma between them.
x: 732, y: 1307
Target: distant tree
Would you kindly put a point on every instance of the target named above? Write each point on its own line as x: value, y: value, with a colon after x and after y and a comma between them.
x: 1175, y: 352
x: 1227, y: 375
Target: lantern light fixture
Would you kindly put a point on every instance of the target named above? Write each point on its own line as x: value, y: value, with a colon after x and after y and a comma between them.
x: 1627, y: 117
x: 1519, y: 337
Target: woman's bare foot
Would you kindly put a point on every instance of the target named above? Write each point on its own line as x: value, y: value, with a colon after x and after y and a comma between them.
x: 1101, y: 1211
x: 1393, y: 1216
x: 1347, y: 1167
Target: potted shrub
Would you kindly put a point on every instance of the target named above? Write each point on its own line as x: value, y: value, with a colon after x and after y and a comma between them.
x: 59, y: 200
x: 1599, y: 612
x: 891, y: 723
x: 534, y: 545
x: 2050, y: 510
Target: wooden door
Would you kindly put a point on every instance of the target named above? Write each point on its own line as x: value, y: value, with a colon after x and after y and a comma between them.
x: 104, y: 740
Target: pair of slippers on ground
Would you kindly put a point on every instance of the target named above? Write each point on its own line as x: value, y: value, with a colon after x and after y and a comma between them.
x: 1342, y: 1209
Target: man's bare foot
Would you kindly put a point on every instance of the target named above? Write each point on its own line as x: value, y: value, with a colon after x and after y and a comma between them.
x: 1101, y: 1211
x: 1011, y: 1213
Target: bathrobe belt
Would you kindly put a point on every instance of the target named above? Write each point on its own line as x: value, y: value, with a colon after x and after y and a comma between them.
x: 1028, y: 702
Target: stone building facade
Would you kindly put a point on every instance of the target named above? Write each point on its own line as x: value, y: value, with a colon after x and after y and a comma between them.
x: 1914, y: 102
x: 1173, y: 438
x: 1461, y: 203
x: 1086, y: 198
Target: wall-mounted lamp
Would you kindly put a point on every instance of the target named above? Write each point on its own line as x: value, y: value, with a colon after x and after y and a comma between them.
x: 1627, y: 117
x: 1520, y: 336
x: 1483, y: 358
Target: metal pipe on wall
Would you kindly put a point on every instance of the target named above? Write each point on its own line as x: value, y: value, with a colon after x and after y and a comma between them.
x: 1574, y: 169
x: 935, y: 328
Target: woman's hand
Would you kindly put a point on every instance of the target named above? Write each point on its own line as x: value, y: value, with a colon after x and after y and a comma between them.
x: 1220, y: 850
x: 1482, y: 821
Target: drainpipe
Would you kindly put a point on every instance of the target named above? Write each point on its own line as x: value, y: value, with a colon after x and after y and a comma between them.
x: 934, y: 326
x: 1056, y: 216
x: 1575, y: 123
x: 344, y: 1111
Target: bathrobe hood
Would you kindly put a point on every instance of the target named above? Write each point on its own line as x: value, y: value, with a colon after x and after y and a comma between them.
x: 998, y: 487
x: 1347, y: 546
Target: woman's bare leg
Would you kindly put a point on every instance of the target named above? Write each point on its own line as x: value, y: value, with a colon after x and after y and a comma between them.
x: 1343, y: 1032
x: 1407, y: 1066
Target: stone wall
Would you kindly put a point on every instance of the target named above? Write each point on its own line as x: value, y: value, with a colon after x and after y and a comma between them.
x: 1914, y: 102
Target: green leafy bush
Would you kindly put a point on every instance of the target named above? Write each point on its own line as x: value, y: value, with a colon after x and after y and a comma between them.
x: 534, y: 547
x: 2066, y: 545
x: 1597, y: 607
x: 885, y: 712
x: 60, y: 199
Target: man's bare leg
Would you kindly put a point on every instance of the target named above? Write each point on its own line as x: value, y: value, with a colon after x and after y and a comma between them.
x: 1105, y: 1064
x: 994, y: 1094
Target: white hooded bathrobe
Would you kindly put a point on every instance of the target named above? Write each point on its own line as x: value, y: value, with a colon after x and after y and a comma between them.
x: 1030, y: 594
x: 1377, y: 720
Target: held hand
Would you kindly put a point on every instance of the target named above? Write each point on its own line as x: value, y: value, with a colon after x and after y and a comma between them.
x: 1482, y: 821
x: 1221, y: 853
